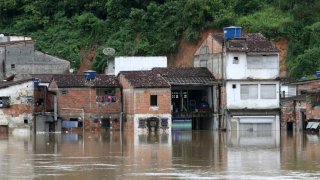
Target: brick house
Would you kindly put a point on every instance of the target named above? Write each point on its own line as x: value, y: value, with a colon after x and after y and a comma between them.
x: 146, y: 101
x: 302, y: 111
x: 93, y: 102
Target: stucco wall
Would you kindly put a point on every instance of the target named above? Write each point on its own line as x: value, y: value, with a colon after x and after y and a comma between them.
x: 20, y: 58
x: 21, y: 105
x: 241, y: 70
x: 138, y: 63
x: 234, y: 100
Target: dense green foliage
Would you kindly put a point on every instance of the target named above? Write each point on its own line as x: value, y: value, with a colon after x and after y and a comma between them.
x: 155, y: 27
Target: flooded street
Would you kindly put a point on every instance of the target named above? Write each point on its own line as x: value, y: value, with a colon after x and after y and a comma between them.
x: 176, y: 155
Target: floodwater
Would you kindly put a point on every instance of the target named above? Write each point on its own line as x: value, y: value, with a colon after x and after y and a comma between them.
x: 175, y: 155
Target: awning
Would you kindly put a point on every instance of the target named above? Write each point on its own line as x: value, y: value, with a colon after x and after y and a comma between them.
x: 313, y: 125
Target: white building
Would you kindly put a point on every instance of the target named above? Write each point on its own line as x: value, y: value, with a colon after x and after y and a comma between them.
x: 248, y: 67
x: 16, y: 105
x: 134, y: 63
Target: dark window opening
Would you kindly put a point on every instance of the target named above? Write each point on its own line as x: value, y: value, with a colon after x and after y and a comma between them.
x: 13, y: 66
x: 164, y: 122
x: 64, y: 92
x: 142, y: 123
x: 289, y: 126
x: 106, y: 95
x: 153, y: 100
x: 39, y: 102
x: 235, y: 60
x: 4, y: 102
x: 234, y: 86
x: 25, y: 121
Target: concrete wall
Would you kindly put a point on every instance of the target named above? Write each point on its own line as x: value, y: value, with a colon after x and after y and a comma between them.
x: 2, y: 58
x: 234, y: 100
x: 138, y: 63
x: 47, y: 64
x: 267, y: 66
x: 20, y: 58
x: 11, y: 38
x: 210, y: 55
x: 288, y: 91
x: 21, y: 108
x: 16, y: 56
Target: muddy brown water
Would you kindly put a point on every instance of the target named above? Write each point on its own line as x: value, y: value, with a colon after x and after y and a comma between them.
x: 175, y: 155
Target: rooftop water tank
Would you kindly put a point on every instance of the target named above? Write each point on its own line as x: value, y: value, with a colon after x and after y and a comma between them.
x: 90, y: 75
x: 318, y: 74
x: 232, y: 32
x: 36, y: 82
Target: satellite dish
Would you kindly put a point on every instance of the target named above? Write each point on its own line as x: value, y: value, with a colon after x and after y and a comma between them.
x: 109, y: 51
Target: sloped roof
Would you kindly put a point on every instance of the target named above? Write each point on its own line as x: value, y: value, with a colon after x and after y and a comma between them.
x: 73, y: 81
x: 249, y: 42
x: 145, y: 79
x: 186, y: 75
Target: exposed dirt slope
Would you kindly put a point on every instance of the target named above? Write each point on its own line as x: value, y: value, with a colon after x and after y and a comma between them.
x: 88, y: 58
x: 282, y: 45
x: 184, y: 56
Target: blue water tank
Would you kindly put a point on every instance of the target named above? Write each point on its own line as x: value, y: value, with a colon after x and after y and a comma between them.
x: 232, y: 32
x: 318, y: 74
x: 90, y: 74
x: 36, y: 82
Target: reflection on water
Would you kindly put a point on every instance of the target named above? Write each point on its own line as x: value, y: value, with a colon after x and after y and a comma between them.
x: 175, y: 155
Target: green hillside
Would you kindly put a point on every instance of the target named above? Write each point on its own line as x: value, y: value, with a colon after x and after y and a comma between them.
x: 155, y: 27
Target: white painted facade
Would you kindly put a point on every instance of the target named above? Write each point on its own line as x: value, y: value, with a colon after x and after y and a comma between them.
x: 254, y: 66
x: 251, y: 85
x: 236, y: 101
x: 288, y: 90
x: 137, y: 63
x: 4, y: 38
x: 249, y: 82
x: 138, y: 130
x: 20, y: 94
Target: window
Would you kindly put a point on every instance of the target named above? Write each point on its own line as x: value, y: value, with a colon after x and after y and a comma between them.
x: 249, y: 91
x: 234, y: 86
x: 106, y: 95
x: 235, y: 60
x: 13, y: 66
x: 4, y: 102
x: 262, y: 62
x: 39, y: 102
x: 268, y: 91
x: 203, y: 63
x: 153, y: 100
x: 204, y: 49
x: 175, y: 94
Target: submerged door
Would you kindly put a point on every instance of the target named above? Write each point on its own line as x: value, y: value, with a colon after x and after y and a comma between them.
x: 256, y: 123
